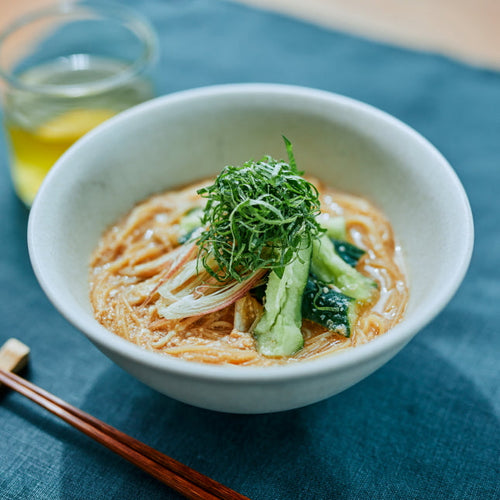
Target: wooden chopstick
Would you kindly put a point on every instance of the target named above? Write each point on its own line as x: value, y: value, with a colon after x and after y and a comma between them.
x: 178, y: 476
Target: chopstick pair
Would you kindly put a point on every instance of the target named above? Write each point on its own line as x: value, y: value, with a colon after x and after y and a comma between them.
x: 174, y: 474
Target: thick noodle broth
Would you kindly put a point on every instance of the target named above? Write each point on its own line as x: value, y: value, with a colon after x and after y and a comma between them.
x: 132, y: 260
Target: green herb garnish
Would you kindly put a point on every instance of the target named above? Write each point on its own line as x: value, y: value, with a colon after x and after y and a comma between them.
x: 258, y: 216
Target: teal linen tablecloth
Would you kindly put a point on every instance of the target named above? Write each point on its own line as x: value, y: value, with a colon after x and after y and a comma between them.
x: 425, y: 426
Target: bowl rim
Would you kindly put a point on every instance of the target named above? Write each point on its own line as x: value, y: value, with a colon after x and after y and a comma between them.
x: 395, y: 338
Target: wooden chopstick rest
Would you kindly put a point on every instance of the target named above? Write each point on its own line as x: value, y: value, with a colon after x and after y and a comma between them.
x: 14, y: 356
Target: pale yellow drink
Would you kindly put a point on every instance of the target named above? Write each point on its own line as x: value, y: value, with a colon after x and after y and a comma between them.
x: 34, y: 152
x: 41, y: 127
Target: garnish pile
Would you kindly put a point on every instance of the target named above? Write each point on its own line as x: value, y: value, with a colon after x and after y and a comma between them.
x: 258, y: 216
x: 259, y: 228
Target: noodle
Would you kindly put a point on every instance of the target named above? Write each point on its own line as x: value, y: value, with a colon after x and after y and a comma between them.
x: 133, y: 259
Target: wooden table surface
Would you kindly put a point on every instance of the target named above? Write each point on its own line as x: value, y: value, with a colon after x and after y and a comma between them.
x: 464, y: 29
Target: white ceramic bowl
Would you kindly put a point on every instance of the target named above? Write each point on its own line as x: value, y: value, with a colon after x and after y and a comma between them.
x: 185, y: 136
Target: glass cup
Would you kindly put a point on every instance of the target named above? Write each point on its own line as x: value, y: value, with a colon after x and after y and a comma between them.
x: 65, y: 70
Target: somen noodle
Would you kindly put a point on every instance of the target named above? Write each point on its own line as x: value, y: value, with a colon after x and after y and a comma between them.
x: 142, y: 254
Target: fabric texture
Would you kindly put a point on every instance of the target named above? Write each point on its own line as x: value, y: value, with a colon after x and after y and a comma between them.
x: 424, y: 426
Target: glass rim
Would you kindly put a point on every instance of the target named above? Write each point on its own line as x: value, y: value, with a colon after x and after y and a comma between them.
x: 130, y: 19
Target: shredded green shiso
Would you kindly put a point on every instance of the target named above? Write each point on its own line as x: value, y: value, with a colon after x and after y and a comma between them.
x: 257, y: 216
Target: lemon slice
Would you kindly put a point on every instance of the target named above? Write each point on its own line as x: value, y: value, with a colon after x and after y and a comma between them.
x: 71, y: 125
